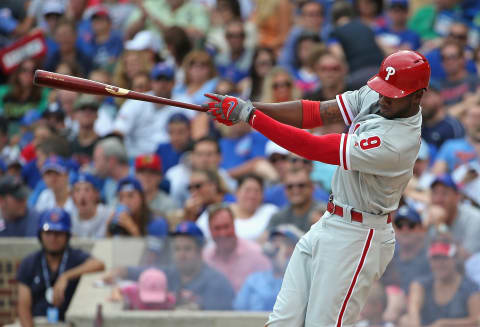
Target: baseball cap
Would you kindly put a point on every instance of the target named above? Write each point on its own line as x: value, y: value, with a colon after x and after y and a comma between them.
x: 441, y: 248
x: 54, y: 109
x: 291, y: 232
x: 162, y: 70
x: 272, y: 147
x: 86, y: 100
x: 148, y: 161
x: 99, y: 11
x: 178, y: 118
x: 56, y: 219
x: 144, y: 40
x: 158, y: 227
x: 152, y: 286
x: 129, y: 184
x: 408, y: 213
x: 445, y: 180
x: 55, y: 163
x: 53, y: 7
x: 10, y: 185
x: 87, y: 178
x: 189, y: 228
x: 399, y: 4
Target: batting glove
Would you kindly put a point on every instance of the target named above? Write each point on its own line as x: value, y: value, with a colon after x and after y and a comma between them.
x: 229, y: 110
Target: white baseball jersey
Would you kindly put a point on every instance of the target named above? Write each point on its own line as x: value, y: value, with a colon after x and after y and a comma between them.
x: 376, y: 156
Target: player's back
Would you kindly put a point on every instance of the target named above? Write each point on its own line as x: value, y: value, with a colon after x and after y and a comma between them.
x: 376, y: 156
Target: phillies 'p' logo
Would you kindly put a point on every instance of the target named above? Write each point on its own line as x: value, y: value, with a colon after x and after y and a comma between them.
x: 390, y: 71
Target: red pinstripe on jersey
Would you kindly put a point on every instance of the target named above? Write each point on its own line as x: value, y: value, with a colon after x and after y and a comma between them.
x: 366, y: 247
x: 346, y: 113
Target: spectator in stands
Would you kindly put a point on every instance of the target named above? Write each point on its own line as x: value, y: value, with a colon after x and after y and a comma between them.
x: 437, y: 125
x: 299, y: 189
x: 179, y: 133
x: 235, y: 64
x: 149, y: 293
x: 158, y: 15
x: 141, y: 82
x: 55, y: 172
x: 260, y: 290
x: 20, y: 95
x: 16, y: 220
x: 458, y: 81
x: 251, y: 214
x: 206, y: 154
x: 54, y: 117
x: 111, y: 163
x: 130, y: 63
x: 370, y: 12
x: 105, y: 44
x: 132, y: 216
x: 66, y: 103
x: 86, y: 113
x: 395, y: 35
x: 355, y: 41
x: 446, y: 212
x: 456, y: 152
x: 273, y: 19
x: 148, y: 170
x: 372, y: 313
x: 447, y: 297
x: 307, y: 47
x: 251, y: 86
x: 197, y: 285
x: 107, y: 110
x: 410, y: 260
x: 310, y: 20
x: 178, y: 45
x: 332, y: 74
x: 47, y: 278
x: 90, y: 217
x: 279, y: 86
x: 233, y: 256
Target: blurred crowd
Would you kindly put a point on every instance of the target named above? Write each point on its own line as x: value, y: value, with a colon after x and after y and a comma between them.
x: 221, y: 208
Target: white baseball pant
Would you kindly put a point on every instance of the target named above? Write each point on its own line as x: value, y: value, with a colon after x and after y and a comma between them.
x: 330, y: 272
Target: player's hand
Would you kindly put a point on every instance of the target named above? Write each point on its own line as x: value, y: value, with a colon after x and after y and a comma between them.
x: 229, y: 110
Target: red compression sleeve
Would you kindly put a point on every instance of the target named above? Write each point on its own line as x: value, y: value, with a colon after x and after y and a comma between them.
x: 325, y: 148
x: 311, y: 114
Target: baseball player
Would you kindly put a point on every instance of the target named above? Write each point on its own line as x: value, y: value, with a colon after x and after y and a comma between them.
x: 336, y: 262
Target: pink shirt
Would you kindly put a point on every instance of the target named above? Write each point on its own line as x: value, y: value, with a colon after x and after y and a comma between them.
x: 246, y: 259
x: 133, y: 299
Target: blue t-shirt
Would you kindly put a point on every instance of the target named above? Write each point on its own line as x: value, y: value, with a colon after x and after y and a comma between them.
x: 277, y: 195
x: 25, y: 226
x: 31, y: 174
x: 446, y: 129
x: 103, y: 55
x: 258, y: 292
x: 238, y: 151
x: 31, y: 274
x: 398, y: 38
x: 436, y: 67
x: 170, y: 157
x: 456, y: 152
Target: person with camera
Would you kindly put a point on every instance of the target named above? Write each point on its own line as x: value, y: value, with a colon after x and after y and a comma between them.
x: 132, y: 216
x: 47, y: 278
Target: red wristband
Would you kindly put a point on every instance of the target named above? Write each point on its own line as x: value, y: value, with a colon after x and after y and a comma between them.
x: 311, y: 114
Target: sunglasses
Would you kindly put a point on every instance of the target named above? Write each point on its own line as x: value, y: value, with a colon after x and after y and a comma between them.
x: 449, y: 57
x: 195, y: 186
x: 202, y: 64
x: 458, y: 36
x: 277, y: 157
x: 286, y: 84
x: 235, y: 35
x: 300, y: 186
x: 330, y: 68
x: 295, y: 160
x: 401, y: 223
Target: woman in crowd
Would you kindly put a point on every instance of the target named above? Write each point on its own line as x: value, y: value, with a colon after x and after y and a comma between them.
x: 279, y: 86
x: 251, y: 215
x: 263, y: 62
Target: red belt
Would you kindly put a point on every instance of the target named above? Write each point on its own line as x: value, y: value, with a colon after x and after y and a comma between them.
x: 356, y: 216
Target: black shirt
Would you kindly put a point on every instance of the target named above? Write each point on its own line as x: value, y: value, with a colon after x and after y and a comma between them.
x: 30, y: 273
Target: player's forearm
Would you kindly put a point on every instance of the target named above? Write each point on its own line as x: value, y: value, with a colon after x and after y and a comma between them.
x: 289, y: 113
x: 323, y: 148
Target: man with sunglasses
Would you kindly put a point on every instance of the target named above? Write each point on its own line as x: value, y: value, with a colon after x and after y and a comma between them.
x: 336, y: 262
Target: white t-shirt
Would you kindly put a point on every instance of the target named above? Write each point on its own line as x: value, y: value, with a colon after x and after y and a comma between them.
x: 250, y: 228
x: 46, y: 201
x: 94, y: 227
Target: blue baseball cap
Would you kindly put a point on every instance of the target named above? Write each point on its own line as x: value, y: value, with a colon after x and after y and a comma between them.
x: 55, y: 163
x: 189, y: 228
x: 178, y: 118
x: 291, y: 232
x: 56, y: 219
x: 162, y: 70
x: 129, y: 184
x: 87, y: 178
x: 398, y: 4
x: 445, y: 180
x: 408, y: 213
x: 158, y: 227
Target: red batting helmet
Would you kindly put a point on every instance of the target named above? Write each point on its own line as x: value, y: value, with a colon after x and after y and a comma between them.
x: 401, y: 74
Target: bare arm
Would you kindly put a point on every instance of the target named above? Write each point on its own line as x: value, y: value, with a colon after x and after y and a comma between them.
x: 24, y: 305
x: 415, y: 303
x: 291, y: 112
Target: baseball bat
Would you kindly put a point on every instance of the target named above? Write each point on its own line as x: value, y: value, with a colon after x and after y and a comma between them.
x: 77, y: 84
